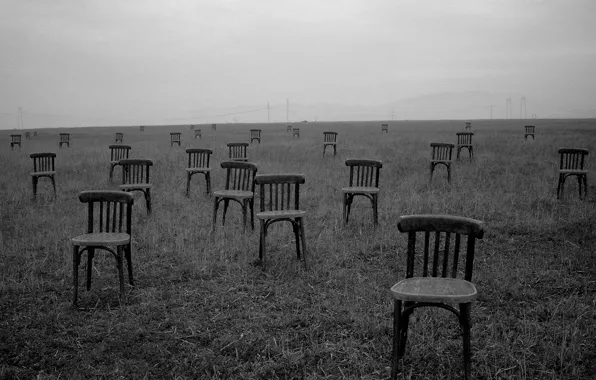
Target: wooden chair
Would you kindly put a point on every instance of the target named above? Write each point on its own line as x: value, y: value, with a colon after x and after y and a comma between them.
x: 191, y: 127
x: 198, y: 134
x: 441, y: 155
x: 198, y: 162
x: 437, y: 286
x: 280, y: 201
x: 289, y: 128
x: 64, y: 139
x: 27, y: 135
x: 135, y: 177
x: 240, y: 188
x: 117, y: 153
x: 213, y: 127
x: 15, y: 140
x: 142, y: 128
x: 296, y: 133
x: 255, y: 134
x: 35, y: 134
x: 174, y: 138
x: 385, y: 128
x: 468, y: 125
x: 118, y: 138
x: 330, y: 139
x: 237, y: 151
x: 571, y: 163
x: 43, y: 166
x: 109, y: 216
x: 364, y: 181
x: 464, y: 140
x: 529, y: 131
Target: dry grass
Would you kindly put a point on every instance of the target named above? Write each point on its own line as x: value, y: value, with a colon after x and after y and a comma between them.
x: 201, y: 311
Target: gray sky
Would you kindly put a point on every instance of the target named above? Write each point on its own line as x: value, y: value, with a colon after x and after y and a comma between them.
x: 143, y: 61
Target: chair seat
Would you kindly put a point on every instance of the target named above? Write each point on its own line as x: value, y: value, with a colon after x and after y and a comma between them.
x: 133, y: 186
x: 437, y: 161
x: 101, y: 238
x: 198, y: 170
x: 434, y: 289
x: 237, y: 194
x: 571, y: 171
x: 281, y: 214
x: 360, y: 190
x: 114, y: 162
x: 38, y: 174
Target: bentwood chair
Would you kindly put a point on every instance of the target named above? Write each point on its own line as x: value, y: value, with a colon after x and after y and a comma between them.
x: 142, y: 128
x: 289, y: 128
x: 364, y: 181
x: 15, y: 140
x: 440, y: 285
x: 385, y: 128
x: 296, y: 133
x: 43, y: 166
x: 198, y: 134
x: 175, y: 138
x: 441, y: 155
x: 27, y: 135
x: 213, y: 127
x: 330, y: 139
x: 117, y: 153
x: 280, y: 201
x: 64, y: 139
x: 571, y: 163
x: 529, y: 131
x: 255, y: 134
x: 34, y: 133
x: 198, y: 163
x: 468, y: 125
x: 237, y: 151
x: 464, y: 140
x: 109, y: 215
x: 119, y: 137
x: 240, y: 188
x: 135, y: 177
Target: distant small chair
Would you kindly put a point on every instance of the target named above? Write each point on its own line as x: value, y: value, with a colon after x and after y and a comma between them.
x: 364, y: 181
x: 135, y: 177
x: 175, y: 138
x: 437, y: 286
x: 43, y: 166
x: 240, y: 188
x: 15, y: 140
x: 468, y: 125
x: 198, y: 134
x: 191, y: 127
x: 109, y: 224
x: 330, y: 139
x: 198, y: 162
x: 280, y: 201
x: 441, y: 155
x: 117, y: 153
x: 119, y: 138
x: 289, y: 128
x: 296, y: 132
x: 255, y: 134
x: 529, y: 131
x: 464, y: 140
x: 237, y: 151
x: 64, y: 139
x: 142, y: 128
x: 571, y: 163
x: 213, y: 127
x: 27, y: 135
x: 35, y: 134
x: 385, y: 128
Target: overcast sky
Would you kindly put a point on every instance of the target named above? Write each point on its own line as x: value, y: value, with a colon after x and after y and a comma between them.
x: 129, y: 60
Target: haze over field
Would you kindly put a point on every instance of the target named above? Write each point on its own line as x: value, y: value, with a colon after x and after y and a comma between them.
x: 72, y: 63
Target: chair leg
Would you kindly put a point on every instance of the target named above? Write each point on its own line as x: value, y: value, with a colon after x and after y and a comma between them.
x: 432, y: 169
x: 561, y: 185
x: 208, y: 182
x: 54, y: 185
x: 296, y: 229
x: 128, y: 255
x: 251, y: 203
x: 119, y: 265
x: 188, y: 175
x: 349, y: 200
x: 464, y: 316
x: 34, y: 179
x: 90, y: 254
x: 244, y: 212
x: 449, y: 173
x: 405, y: 323
x: 303, y: 239
x: 75, y: 274
x: 148, y: 200
x: 375, y: 199
x: 215, y: 207
x: 111, y: 171
x: 334, y: 150
x: 471, y: 150
x: 585, y: 176
x: 262, y: 241
x: 458, y: 152
x: 345, y: 205
x: 395, y: 356
x: 225, y: 210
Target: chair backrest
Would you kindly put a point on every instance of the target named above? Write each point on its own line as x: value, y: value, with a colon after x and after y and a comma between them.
x: 441, y: 151
x: 296, y: 131
x: 572, y: 159
x: 119, y: 152
x: 279, y: 191
x: 108, y: 211
x: 255, y: 133
x: 364, y: 172
x: 530, y: 128
x: 384, y: 127
x: 240, y: 175
x: 15, y: 138
x: 198, y: 158
x: 64, y: 137
x: 464, y: 138
x: 135, y: 171
x: 445, y: 258
x: 43, y: 162
x: 237, y: 151
x: 175, y: 136
x: 329, y: 137
x: 197, y: 132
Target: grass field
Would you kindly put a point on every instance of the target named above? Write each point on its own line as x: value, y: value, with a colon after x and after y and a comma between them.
x: 200, y: 310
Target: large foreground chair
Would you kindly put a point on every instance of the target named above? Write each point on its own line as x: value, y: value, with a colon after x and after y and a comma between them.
x: 364, y: 181
x: 571, y: 163
x: 280, y: 201
x: 43, y: 166
x: 240, y: 188
x: 108, y: 225
x: 439, y: 285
